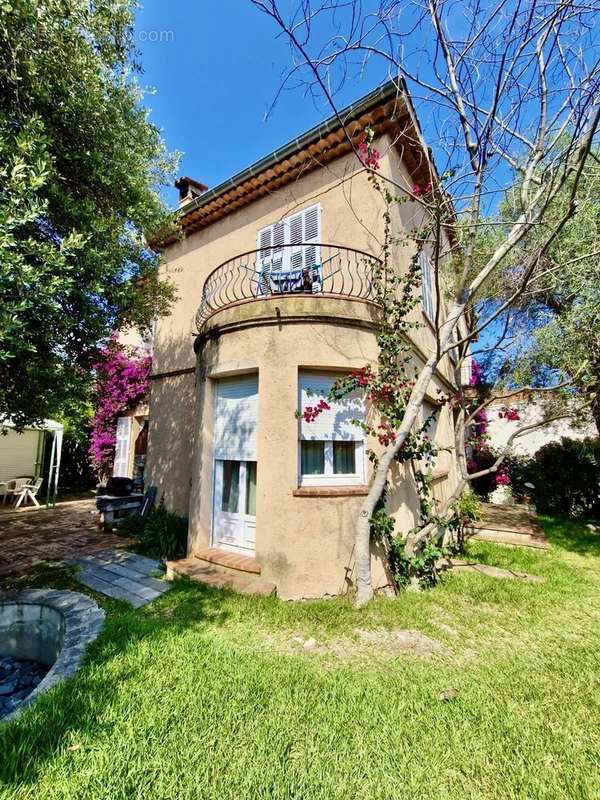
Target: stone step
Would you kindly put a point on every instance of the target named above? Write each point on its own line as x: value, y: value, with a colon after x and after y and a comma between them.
x: 228, y: 561
x: 509, y: 537
x: 236, y: 581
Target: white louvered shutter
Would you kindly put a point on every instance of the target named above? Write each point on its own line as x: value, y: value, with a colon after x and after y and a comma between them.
x: 335, y: 424
x: 236, y: 410
x: 427, y: 288
x: 121, y: 463
x: 278, y: 254
x: 296, y: 228
x: 312, y: 233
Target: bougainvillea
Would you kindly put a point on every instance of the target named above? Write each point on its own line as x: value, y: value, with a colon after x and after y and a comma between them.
x: 121, y: 383
x: 510, y: 414
x: 368, y: 154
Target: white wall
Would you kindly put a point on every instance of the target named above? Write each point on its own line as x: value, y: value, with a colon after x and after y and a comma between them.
x: 18, y: 453
x: 500, y: 430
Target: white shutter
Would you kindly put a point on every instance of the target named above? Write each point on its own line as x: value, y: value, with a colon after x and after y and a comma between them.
x: 427, y: 288
x: 296, y: 224
x: 121, y: 463
x: 298, y: 230
x: 312, y: 233
x: 236, y: 410
x: 427, y: 409
x: 334, y: 424
x: 278, y: 253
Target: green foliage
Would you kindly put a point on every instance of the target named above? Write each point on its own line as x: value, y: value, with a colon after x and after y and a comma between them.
x: 80, y: 172
x: 178, y: 675
x: 566, y: 476
x: 422, y: 565
x: 75, y: 469
x: 467, y: 509
x: 555, y: 325
x: 162, y: 535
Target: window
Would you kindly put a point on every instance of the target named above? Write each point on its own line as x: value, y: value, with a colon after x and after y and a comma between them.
x: 427, y: 286
x: 331, y: 448
x: 427, y: 410
x: 299, y: 232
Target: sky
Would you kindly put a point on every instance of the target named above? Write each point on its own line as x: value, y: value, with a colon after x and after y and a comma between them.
x: 216, y: 67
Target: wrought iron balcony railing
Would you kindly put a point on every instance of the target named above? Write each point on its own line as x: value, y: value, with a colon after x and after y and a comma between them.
x: 305, y: 268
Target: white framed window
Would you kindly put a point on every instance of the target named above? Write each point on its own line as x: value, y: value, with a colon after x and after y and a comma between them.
x: 427, y: 286
x: 331, y: 449
x: 301, y: 231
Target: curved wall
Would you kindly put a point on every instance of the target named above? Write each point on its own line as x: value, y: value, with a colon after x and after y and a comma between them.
x: 304, y: 540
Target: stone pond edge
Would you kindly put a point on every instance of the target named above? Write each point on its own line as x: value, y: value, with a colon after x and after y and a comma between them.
x: 83, y: 620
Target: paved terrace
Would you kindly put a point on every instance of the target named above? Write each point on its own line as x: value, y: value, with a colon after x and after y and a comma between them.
x: 66, y: 532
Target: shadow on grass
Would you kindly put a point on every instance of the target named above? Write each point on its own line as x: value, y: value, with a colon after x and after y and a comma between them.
x: 76, y: 710
x: 572, y: 535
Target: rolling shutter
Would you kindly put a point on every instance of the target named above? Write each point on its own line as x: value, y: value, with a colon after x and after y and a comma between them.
x: 121, y: 463
x: 236, y: 410
x: 335, y: 424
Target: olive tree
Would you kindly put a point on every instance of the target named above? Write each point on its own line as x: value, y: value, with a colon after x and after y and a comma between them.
x: 508, y: 95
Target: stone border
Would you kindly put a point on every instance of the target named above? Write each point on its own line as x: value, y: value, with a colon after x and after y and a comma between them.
x: 82, y: 620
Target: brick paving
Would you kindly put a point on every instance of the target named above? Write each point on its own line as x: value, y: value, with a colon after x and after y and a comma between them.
x: 65, y: 532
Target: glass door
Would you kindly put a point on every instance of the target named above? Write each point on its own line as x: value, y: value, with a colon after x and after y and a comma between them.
x: 234, y: 517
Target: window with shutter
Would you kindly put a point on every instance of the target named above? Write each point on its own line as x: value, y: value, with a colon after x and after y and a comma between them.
x: 331, y: 449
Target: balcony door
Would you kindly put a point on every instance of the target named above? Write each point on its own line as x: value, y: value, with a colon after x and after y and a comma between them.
x: 290, y: 245
x: 235, y: 464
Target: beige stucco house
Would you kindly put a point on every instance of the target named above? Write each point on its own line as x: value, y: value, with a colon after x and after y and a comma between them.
x: 274, y: 300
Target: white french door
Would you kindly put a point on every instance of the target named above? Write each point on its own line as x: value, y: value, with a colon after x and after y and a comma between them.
x: 234, y: 468
x: 235, y: 505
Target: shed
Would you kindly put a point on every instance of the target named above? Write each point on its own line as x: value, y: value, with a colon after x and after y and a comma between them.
x: 33, y: 452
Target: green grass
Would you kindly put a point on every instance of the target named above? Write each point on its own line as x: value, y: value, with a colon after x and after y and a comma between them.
x: 204, y: 694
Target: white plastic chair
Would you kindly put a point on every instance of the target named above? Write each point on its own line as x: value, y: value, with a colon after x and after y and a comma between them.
x: 27, y: 492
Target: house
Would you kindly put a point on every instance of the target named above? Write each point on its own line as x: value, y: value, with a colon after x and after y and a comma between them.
x: 275, y: 301
x: 507, y: 416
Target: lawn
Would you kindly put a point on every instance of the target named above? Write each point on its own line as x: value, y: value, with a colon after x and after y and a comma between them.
x: 204, y: 694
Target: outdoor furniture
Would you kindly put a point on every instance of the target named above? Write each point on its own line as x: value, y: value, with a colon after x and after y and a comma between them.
x: 14, y: 486
x: 27, y: 492
x: 113, y: 508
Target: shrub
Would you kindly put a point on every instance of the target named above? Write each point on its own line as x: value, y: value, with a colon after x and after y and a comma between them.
x: 567, y: 477
x: 466, y: 510
x: 161, y: 535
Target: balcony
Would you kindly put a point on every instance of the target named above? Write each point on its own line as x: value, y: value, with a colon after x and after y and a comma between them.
x: 305, y: 268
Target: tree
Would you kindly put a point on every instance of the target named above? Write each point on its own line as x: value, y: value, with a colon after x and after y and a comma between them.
x: 510, y: 94
x: 556, y: 322
x: 80, y: 171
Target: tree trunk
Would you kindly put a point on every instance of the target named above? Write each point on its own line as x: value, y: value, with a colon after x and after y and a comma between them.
x: 364, y: 582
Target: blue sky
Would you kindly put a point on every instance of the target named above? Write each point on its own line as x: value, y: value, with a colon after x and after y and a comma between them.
x: 216, y: 68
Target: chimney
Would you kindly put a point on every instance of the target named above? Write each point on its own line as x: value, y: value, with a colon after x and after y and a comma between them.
x: 189, y: 189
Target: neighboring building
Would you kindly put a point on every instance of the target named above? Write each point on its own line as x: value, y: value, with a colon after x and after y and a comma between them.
x: 274, y: 298
x: 530, y: 410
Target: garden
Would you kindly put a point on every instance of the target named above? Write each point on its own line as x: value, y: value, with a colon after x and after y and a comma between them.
x: 479, y: 687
